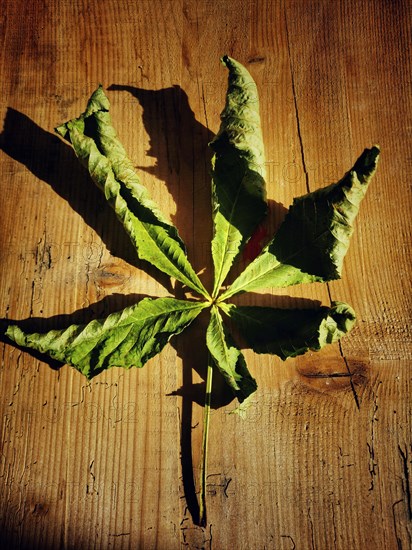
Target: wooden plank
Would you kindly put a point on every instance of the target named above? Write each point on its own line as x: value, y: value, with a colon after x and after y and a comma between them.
x: 111, y: 452
x: 323, y: 458
x: 322, y: 468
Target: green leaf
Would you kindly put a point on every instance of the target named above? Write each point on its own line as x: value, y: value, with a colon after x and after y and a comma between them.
x: 156, y: 240
x: 291, y: 332
x: 124, y: 339
x: 238, y: 187
x: 313, y: 240
x: 228, y: 358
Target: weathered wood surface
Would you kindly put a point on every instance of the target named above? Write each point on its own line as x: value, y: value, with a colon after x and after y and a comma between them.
x: 324, y: 458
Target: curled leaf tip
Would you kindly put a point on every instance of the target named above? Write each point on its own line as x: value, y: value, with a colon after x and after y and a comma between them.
x: 366, y: 164
x: 225, y: 60
x: 341, y: 320
x: 16, y: 334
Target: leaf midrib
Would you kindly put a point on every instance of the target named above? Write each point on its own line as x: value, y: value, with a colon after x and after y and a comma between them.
x: 218, y: 280
x: 189, y: 282
x: 143, y: 320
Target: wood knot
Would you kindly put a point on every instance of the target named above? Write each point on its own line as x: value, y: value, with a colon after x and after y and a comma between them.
x: 332, y: 375
x: 39, y: 509
x: 111, y: 275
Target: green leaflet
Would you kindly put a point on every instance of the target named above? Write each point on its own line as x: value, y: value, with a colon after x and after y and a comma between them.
x: 291, y: 332
x: 124, y: 339
x: 238, y: 187
x: 228, y: 358
x: 314, y: 237
x: 156, y: 240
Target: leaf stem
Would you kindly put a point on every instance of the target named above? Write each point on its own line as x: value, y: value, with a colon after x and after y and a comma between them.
x: 206, y: 421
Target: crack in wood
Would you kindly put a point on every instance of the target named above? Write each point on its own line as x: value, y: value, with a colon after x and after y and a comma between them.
x: 327, y: 375
x: 371, y: 446
x: 406, y: 481
x: 303, y: 160
x: 295, y: 103
x: 291, y: 540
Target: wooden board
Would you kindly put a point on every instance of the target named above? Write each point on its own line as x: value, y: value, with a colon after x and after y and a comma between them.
x: 323, y: 459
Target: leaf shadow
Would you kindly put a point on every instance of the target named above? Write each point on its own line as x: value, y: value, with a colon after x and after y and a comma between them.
x: 264, y: 301
x: 274, y: 300
x: 179, y: 144
x: 52, y: 161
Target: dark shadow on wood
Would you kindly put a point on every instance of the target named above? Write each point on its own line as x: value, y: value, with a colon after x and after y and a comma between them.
x: 275, y: 301
x: 179, y: 145
x: 13, y: 539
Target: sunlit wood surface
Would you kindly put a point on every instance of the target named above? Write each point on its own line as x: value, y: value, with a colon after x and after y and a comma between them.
x: 323, y: 459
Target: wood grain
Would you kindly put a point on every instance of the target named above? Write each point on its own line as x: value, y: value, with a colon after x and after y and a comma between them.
x: 324, y: 458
